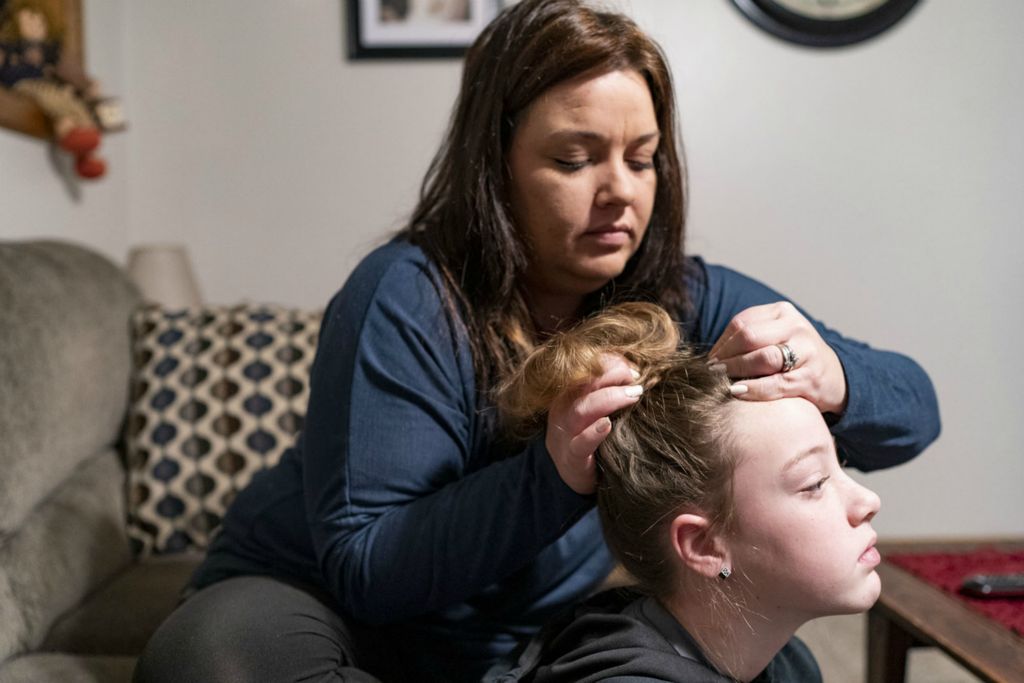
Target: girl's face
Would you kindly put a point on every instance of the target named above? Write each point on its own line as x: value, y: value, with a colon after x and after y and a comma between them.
x: 583, y: 180
x: 804, y: 545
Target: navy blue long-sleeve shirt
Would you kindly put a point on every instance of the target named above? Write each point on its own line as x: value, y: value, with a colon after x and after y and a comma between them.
x: 401, y: 502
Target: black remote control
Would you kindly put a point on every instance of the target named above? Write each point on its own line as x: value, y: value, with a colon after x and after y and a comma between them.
x: 994, y: 585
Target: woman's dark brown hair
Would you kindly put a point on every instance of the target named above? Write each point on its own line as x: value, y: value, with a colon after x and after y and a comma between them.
x: 463, y: 220
x: 667, y: 453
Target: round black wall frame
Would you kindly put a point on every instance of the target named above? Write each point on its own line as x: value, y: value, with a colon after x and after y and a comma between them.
x: 796, y: 28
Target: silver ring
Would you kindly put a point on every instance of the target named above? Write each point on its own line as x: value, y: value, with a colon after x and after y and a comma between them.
x: 789, y: 358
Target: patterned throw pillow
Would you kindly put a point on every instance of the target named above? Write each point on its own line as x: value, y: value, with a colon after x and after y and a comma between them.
x: 218, y: 394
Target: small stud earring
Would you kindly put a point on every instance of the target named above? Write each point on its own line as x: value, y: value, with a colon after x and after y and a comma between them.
x: 724, y: 573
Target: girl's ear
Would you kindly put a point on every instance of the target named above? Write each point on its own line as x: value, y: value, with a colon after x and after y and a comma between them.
x: 697, y: 546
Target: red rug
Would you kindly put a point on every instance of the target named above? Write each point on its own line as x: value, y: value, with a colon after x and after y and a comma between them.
x: 947, y: 570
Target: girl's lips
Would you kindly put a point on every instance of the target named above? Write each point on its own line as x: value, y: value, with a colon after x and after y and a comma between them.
x: 870, y: 557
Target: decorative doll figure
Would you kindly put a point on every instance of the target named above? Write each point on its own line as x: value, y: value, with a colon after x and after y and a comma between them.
x: 31, y: 38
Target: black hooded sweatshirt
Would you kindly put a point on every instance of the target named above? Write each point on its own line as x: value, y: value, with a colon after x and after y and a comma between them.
x: 607, y: 638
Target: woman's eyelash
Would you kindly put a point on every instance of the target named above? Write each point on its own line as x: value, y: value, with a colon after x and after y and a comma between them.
x: 577, y: 165
x: 815, y: 487
x: 570, y: 165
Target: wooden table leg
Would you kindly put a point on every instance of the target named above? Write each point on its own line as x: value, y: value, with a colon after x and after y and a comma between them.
x: 887, y: 649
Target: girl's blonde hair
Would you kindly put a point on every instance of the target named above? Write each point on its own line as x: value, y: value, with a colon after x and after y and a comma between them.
x: 666, y: 454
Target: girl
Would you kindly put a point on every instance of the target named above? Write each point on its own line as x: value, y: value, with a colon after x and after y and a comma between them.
x: 735, y: 518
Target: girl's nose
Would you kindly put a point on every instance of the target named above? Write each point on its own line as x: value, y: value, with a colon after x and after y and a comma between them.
x: 864, y: 504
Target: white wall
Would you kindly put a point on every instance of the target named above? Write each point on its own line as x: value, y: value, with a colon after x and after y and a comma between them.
x: 881, y: 187
x: 258, y: 144
x: 878, y: 185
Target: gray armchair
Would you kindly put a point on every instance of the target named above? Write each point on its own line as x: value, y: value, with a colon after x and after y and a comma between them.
x: 74, y: 605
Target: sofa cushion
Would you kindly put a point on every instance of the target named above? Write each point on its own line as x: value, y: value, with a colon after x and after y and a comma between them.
x: 72, y: 542
x: 218, y: 394
x: 64, y: 366
x: 67, y: 669
x: 119, y: 618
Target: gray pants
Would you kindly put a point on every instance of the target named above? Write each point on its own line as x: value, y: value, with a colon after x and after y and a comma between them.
x: 251, y: 628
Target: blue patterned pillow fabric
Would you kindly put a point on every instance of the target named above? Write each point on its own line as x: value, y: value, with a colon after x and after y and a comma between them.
x: 217, y: 395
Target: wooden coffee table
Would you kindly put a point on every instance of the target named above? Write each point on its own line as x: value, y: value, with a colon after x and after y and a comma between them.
x: 912, y: 613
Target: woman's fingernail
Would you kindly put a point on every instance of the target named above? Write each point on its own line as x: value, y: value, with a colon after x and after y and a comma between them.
x: 634, y: 390
x: 603, y: 425
x: 712, y: 360
x: 738, y: 389
x: 717, y: 367
x: 635, y: 373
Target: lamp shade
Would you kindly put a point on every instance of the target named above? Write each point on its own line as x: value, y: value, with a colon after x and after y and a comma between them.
x: 163, y: 274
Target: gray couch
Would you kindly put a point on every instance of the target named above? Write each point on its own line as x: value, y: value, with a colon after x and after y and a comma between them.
x: 74, y: 605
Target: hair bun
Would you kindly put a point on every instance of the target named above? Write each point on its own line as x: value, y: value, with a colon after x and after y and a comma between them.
x: 643, y: 333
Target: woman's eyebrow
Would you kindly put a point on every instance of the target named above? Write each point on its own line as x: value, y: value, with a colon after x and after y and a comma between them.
x: 573, y: 135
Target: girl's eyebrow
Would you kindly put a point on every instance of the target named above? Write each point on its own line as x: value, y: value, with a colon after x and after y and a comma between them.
x: 813, y: 450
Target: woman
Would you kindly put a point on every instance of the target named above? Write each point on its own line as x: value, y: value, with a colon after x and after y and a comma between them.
x: 734, y: 517
x: 403, y: 509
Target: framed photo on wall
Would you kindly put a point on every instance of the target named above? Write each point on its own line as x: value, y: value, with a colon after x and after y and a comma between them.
x: 415, y: 28
x: 61, y: 48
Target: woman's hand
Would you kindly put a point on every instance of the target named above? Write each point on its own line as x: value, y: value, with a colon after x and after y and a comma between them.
x: 578, y: 421
x: 751, y: 351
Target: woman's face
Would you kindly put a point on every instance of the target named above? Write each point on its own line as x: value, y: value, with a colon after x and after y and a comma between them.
x: 583, y: 181
x: 803, y: 543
